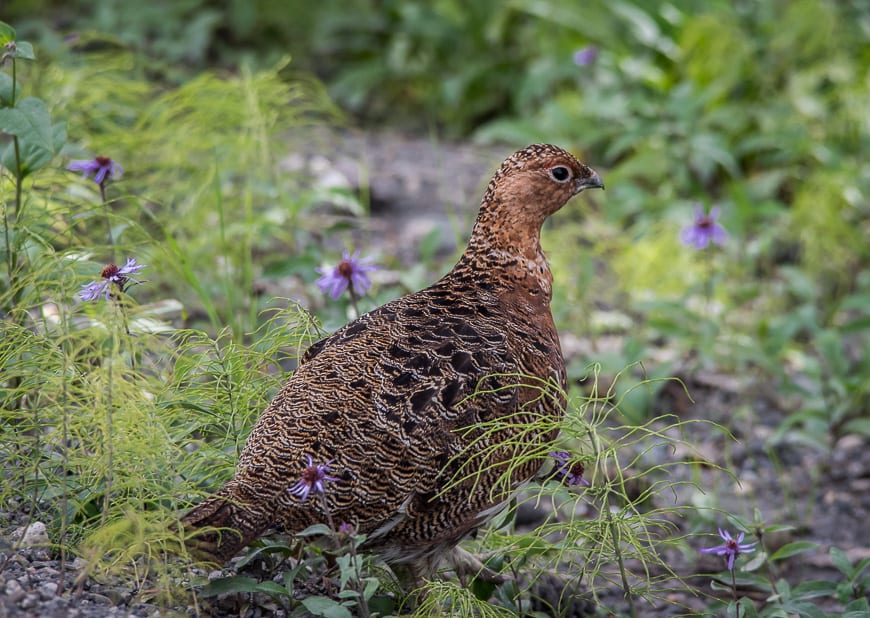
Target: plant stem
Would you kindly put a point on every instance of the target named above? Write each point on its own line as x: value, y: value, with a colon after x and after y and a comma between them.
x: 109, y: 432
x: 734, y: 592
x: 329, y: 520
x: 617, y: 550
x: 353, y: 299
x: 363, y: 605
x: 106, y: 216
x: 614, y: 532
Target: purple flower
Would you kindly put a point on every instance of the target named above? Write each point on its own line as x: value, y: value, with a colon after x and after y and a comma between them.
x: 103, y: 169
x: 704, y: 229
x: 349, y: 272
x: 571, y: 473
x: 346, y: 529
x: 312, y: 478
x: 109, y: 275
x: 731, y: 548
x: 585, y: 56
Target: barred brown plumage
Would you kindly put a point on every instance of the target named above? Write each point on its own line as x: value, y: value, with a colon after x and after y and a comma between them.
x: 392, y: 399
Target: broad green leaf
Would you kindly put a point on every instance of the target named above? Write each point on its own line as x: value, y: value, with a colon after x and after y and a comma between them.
x: 755, y: 562
x: 372, y: 585
x: 32, y: 158
x: 227, y: 585
x: 799, y: 608
x: 841, y: 561
x: 315, y: 530
x: 7, y: 33
x: 323, y: 606
x: 811, y: 590
x: 276, y: 591
x: 747, y: 608
x: 58, y: 136
x: 30, y: 121
x: 858, y: 607
x: 5, y: 89
x: 24, y: 50
x: 792, y: 549
x: 859, y: 568
x: 859, y: 426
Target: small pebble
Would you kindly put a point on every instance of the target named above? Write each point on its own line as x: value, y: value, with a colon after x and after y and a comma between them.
x: 14, y: 591
x: 47, y: 590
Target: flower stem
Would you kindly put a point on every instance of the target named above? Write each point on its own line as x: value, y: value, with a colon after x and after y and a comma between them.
x: 734, y: 592
x: 329, y: 520
x: 353, y: 299
x: 108, y: 220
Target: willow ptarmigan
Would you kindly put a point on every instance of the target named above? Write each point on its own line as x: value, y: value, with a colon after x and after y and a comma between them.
x: 420, y: 407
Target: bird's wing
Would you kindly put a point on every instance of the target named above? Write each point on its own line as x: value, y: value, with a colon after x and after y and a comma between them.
x: 386, y: 400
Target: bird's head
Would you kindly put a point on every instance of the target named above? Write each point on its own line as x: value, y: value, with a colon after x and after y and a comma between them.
x: 530, y: 185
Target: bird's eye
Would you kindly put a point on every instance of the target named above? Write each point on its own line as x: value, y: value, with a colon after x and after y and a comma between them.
x: 560, y: 173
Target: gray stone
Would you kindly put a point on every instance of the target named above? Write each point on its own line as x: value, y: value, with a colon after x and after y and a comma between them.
x: 32, y: 535
x: 14, y: 590
x: 48, y: 590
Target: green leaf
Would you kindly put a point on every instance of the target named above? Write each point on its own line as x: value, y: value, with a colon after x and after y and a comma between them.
x: 6, y: 89
x: 859, y: 568
x: 811, y: 590
x: 32, y: 157
x: 227, y: 585
x: 792, y: 549
x: 372, y: 585
x: 841, y: 561
x: 755, y: 563
x: 797, y: 608
x: 323, y: 606
x: 24, y: 50
x: 858, y: 607
x: 7, y: 33
x: 29, y: 121
x: 315, y: 530
x: 747, y: 608
x: 276, y: 591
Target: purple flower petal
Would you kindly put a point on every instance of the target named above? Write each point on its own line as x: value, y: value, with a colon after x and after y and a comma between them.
x: 586, y: 56
x: 731, y: 548
x: 350, y: 272
x: 313, y: 477
x: 704, y: 230
x: 103, y: 168
x: 95, y: 289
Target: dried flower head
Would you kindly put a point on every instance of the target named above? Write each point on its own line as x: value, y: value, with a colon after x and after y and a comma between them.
x: 731, y: 548
x: 313, y: 477
x: 570, y: 472
x: 111, y: 274
x: 704, y: 229
x: 350, y: 272
x: 103, y: 169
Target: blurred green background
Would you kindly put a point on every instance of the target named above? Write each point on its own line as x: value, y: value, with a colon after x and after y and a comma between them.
x: 761, y: 108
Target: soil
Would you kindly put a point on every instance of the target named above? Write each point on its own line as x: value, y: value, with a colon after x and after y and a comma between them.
x: 417, y: 186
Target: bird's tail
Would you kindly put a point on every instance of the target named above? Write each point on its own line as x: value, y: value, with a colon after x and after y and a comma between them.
x: 219, y: 527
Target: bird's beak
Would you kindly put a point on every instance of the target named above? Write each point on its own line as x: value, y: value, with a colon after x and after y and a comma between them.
x: 589, y: 182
